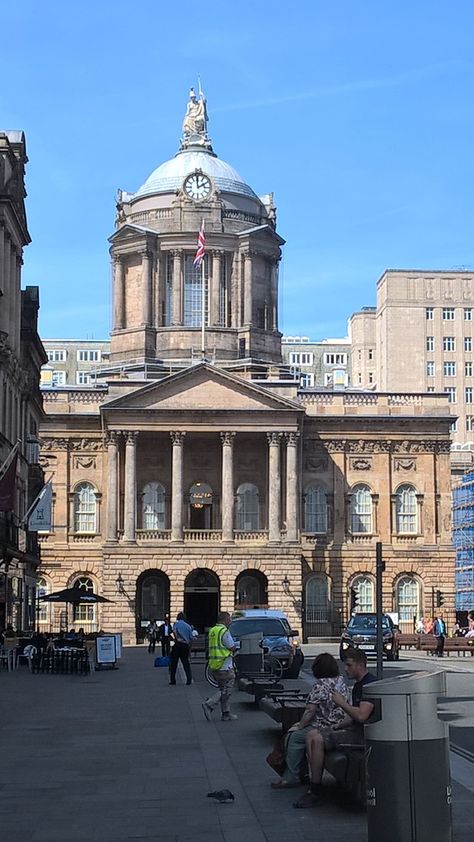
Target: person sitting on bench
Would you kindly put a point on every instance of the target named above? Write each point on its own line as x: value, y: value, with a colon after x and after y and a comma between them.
x: 348, y: 730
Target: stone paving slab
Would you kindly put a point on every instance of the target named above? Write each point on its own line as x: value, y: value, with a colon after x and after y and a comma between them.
x: 123, y: 756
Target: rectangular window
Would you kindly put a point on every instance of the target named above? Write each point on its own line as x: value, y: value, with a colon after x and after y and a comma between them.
x: 59, y: 378
x: 468, y: 314
x: 429, y: 314
x: 469, y: 423
x: 468, y: 369
x: 224, y: 303
x: 371, y: 377
x: 430, y: 389
x: 306, y: 381
x: 468, y: 394
x: 57, y: 356
x: 448, y: 314
x: 451, y: 393
x: 430, y: 343
x: 83, y: 378
x: 335, y: 359
x: 370, y: 354
x: 449, y: 369
x: 91, y: 355
x: 430, y: 369
x: 294, y: 358
x: 193, y: 292
x: 468, y: 343
x: 449, y: 343
x: 453, y: 426
x: 306, y: 359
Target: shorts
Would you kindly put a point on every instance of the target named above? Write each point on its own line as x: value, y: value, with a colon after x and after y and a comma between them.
x: 333, y: 739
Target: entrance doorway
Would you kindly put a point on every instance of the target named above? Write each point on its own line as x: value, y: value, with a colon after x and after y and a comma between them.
x: 200, y: 506
x: 201, y: 599
x: 152, y: 600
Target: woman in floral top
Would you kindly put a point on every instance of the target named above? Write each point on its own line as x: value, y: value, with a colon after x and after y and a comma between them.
x: 320, y: 712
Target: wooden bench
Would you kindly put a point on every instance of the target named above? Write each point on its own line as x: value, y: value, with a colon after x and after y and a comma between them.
x: 409, y: 641
x: 459, y: 644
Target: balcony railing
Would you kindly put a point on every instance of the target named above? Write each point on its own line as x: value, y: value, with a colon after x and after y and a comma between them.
x: 192, y: 536
x: 259, y: 536
x: 153, y: 534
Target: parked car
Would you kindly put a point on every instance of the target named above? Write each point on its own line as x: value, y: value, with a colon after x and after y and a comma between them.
x: 361, y: 633
x: 279, y: 638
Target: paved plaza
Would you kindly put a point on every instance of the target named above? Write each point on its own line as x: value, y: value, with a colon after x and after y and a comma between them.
x: 120, y: 755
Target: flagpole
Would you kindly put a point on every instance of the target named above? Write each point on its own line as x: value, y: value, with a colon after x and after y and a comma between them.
x: 203, y: 311
x: 36, y: 500
x: 9, y: 459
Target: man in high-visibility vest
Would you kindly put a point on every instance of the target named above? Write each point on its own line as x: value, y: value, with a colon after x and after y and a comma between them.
x: 221, y: 646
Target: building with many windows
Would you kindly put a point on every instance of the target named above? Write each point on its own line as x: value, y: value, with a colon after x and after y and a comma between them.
x: 73, y: 362
x: 195, y: 472
x: 318, y: 364
x: 21, y: 357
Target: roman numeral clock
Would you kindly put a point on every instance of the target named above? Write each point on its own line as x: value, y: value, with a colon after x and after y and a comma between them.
x: 197, y: 187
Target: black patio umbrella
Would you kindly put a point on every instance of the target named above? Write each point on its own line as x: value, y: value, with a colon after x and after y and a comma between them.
x: 74, y: 596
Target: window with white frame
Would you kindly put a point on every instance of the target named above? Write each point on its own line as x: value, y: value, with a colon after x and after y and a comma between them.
x: 468, y: 314
x: 85, y: 614
x: 430, y: 344
x: 430, y: 369
x: 448, y: 314
x: 335, y: 359
x: 370, y: 354
x: 451, y: 393
x: 468, y: 394
x: 85, y: 508
x: 88, y: 355
x: 247, y: 508
x: 406, y: 510
x: 362, y: 595
x: 57, y: 355
x: 449, y: 343
x: 361, y: 510
x: 59, y: 378
x: 371, y: 377
x: 429, y: 314
x: 468, y: 343
x: 453, y: 426
x: 153, y: 506
x: 408, y: 599
x: 306, y: 381
x: 306, y: 359
x: 83, y: 378
x: 301, y: 358
x: 430, y: 388
x: 449, y: 369
x: 468, y: 369
x: 43, y: 588
x: 315, y: 510
x: 469, y: 423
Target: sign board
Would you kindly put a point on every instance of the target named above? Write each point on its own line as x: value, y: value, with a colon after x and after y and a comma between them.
x: 105, y: 649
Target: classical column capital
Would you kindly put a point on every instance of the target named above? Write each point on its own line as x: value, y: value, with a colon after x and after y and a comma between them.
x: 111, y: 437
x: 292, y: 438
x: 227, y: 438
x: 219, y: 253
x: 177, y: 437
x: 130, y: 436
x: 274, y: 438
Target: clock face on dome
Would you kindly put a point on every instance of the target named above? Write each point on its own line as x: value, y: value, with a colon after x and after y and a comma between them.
x: 197, y: 186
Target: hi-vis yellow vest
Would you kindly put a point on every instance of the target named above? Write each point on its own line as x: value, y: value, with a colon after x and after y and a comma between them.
x: 217, y: 653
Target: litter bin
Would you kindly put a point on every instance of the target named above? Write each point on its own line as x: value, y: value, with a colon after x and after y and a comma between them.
x: 407, y: 761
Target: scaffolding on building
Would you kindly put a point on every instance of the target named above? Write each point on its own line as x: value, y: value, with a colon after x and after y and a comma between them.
x: 463, y: 540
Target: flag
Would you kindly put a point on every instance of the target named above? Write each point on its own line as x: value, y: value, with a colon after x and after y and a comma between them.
x: 8, y: 483
x: 201, y: 246
x: 40, y: 515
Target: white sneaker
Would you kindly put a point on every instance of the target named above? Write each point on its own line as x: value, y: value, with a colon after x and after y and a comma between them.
x: 207, y: 710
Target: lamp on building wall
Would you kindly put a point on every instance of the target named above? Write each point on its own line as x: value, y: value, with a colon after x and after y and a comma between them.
x: 286, y: 584
x: 120, y: 584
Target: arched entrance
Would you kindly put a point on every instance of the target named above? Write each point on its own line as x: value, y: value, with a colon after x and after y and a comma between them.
x: 251, y: 590
x: 200, y: 506
x: 201, y: 598
x: 152, y: 600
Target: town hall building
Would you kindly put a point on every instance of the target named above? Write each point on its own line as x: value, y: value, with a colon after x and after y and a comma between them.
x: 194, y: 473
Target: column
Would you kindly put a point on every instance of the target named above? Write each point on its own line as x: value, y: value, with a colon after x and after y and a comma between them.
x: 129, y: 516
x: 177, y: 487
x: 291, y: 486
x: 247, y: 289
x: 3, y: 309
x: 16, y: 273
x: 119, y: 294
x: 177, y: 290
x: 146, y: 287
x: 11, y: 269
x: 215, y: 289
x: 234, y: 290
x: 227, y: 440
x: 274, y: 296
x: 159, y: 292
x: 274, y: 486
x: 112, y: 486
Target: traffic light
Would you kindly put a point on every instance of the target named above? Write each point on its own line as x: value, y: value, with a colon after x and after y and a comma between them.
x: 439, y: 599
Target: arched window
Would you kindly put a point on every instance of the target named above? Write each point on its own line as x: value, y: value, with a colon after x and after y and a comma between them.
x: 251, y: 589
x: 362, y: 595
x: 406, y: 510
x: 43, y: 611
x: 315, y: 510
x: 408, y: 598
x: 361, y: 510
x: 247, y: 510
x: 85, y: 614
x: 85, y: 508
x: 153, y: 506
x: 317, y: 605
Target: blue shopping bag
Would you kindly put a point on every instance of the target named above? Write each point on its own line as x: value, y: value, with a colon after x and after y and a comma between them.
x: 162, y: 661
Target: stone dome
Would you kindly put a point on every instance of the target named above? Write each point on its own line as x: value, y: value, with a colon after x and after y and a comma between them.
x: 169, y: 177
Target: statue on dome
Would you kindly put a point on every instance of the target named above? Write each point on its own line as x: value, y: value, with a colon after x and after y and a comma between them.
x: 196, y: 119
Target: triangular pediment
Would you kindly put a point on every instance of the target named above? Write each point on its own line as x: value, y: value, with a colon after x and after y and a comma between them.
x: 202, y: 387
x: 130, y: 232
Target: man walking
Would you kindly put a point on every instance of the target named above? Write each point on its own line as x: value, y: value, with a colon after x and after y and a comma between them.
x: 183, y: 637
x: 439, y: 631
x: 221, y: 645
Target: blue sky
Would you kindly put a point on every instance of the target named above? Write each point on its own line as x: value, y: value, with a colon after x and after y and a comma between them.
x: 358, y: 115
